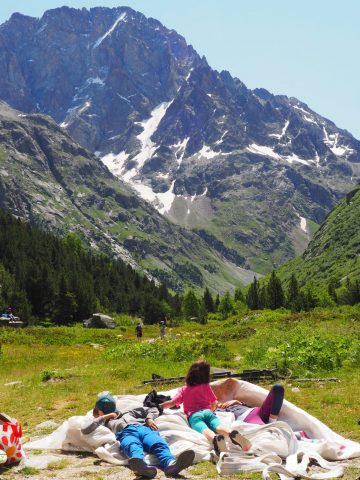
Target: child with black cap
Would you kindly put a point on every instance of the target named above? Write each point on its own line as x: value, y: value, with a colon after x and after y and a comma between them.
x: 137, y: 433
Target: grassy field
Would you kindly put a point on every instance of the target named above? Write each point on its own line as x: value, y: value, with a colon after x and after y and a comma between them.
x: 54, y: 373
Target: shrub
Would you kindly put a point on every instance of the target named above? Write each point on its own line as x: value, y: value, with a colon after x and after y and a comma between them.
x: 178, y: 350
x: 230, y: 332
x: 309, y: 353
x: 47, y: 375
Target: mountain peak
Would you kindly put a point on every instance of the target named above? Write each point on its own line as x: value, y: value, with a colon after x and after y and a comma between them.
x: 256, y: 171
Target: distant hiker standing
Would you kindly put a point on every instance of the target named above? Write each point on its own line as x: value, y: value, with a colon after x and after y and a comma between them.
x: 139, y: 331
x: 162, y: 329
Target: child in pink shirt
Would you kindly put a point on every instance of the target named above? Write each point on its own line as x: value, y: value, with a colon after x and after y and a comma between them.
x: 199, y: 403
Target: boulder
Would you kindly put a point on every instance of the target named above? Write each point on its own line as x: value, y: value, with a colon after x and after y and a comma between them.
x: 99, y: 320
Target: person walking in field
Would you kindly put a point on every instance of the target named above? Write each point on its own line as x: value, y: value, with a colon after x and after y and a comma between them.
x: 139, y: 331
x: 199, y: 403
x: 162, y: 329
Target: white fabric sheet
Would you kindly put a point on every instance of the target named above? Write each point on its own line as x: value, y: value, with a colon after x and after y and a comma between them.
x: 275, y: 447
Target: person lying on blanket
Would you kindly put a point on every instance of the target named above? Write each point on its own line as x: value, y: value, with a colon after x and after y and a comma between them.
x: 267, y: 413
x: 137, y: 432
x: 199, y: 404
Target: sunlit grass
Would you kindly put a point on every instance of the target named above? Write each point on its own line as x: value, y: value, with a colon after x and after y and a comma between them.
x: 62, y: 370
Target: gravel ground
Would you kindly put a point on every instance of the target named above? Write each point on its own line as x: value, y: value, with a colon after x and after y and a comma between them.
x: 65, y: 466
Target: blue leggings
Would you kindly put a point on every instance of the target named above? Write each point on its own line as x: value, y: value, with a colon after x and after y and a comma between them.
x: 136, y: 438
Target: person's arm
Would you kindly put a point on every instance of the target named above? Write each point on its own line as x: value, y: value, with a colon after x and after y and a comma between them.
x: 229, y: 403
x: 209, y: 392
x: 151, y: 414
x: 168, y: 404
x: 176, y: 401
x: 97, y: 422
x: 151, y: 424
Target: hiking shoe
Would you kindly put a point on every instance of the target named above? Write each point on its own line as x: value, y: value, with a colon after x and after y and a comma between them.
x: 184, y: 460
x: 219, y: 444
x: 239, y: 440
x: 139, y: 466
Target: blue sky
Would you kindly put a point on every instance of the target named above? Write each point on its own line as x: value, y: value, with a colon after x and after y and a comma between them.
x: 308, y: 49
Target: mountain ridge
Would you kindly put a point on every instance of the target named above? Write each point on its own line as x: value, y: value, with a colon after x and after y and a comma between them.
x: 60, y: 186
x: 256, y: 171
x: 333, y: 253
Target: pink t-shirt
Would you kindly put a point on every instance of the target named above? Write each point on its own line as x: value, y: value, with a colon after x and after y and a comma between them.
x: 200, y: 397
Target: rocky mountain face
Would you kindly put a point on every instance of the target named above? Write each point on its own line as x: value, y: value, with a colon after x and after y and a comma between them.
x: 53, y: 182
x: 251, y: 173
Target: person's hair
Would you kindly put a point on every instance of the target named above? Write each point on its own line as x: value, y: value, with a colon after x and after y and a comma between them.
x: 198, y: 373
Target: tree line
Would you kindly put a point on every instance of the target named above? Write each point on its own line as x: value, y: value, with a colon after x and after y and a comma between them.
x: 269, y: 294
x: 47, y: 279
x: 44, y: 278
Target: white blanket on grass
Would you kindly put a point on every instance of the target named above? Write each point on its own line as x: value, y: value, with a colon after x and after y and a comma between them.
x: 274, y: 445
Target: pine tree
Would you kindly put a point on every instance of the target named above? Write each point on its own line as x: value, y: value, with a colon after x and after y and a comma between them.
x: 332, y: 286
x: 293, y: 300
x: 153, y: 311
x: 309, y: 300
x: 203, y: 314
x: 217, y: 302
x: 275, y: 294
x: 263, y: 298
x: 190, y: 305
x: 238, y: 295
x: 175, y: 302
x: 252, y: 296
x: 352, y: 293
x: 226, y: 306
x: 65, y: 305
x: 208, y: 301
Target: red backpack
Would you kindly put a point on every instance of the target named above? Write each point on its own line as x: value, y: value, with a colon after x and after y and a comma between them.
x: 10, y: 441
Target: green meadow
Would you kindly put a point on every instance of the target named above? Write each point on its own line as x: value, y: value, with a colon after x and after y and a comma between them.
x: 55, y: 372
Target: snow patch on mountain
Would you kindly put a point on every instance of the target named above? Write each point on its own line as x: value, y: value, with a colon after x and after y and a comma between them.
x: 303, y: 224
x: 294, y: 158
x: 95, y: 80
x: 180, y: 150
x: 307, y: 116
x: 222, y: 138
x: 162, y: 175
x: 279, y: 136
x: 115, y: 163
x: 269, y: 152
x: 84, y: 107
x: 124, y: 98
x: 263, y: 150
x: 109, y: 32
x: 166, y: 199
x: 193, y: 197
x: 207, y: 152
x: 332, y: 141
x: 148, y: 147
